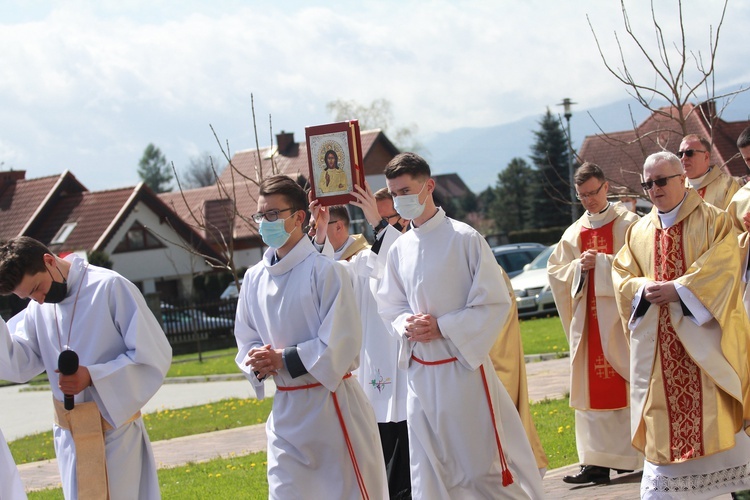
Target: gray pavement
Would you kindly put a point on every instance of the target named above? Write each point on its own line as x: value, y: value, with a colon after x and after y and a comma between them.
x: 28, y: 412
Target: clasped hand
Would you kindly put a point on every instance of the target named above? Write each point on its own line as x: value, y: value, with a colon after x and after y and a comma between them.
x: 422, y: 328
x: 660, y: 292
x: 264, y: 361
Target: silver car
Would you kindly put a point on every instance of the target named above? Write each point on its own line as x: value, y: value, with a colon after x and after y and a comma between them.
x: 531, y: 287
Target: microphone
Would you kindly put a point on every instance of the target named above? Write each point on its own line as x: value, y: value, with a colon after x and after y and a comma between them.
x: 67, y: 363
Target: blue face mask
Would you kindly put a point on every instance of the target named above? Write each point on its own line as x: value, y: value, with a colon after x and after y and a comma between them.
x: 408, y: 206
x: 274, y: 233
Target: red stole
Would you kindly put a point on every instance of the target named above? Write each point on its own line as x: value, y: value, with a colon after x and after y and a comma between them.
x: 681, y: 376
x: 607, y: 389
x: 702, y: 192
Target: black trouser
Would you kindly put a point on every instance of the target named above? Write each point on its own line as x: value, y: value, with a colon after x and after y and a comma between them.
x: 395, y: 440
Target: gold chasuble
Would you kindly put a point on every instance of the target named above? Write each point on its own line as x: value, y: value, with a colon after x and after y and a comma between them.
x: 507, y: 358
x: 688, y: 381
x: 607, y: 389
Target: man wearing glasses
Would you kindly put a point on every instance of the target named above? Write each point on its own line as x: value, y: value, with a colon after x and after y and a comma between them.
x: 580, y: 274
x: 713, y: 185
x: 676, y: 281
x: 297, y: 321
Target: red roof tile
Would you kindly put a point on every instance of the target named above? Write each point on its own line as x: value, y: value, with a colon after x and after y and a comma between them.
x: 621, y: 154
x: 22, y: 201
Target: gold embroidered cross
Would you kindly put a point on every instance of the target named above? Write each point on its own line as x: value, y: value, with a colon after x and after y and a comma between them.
x: 603, y: 368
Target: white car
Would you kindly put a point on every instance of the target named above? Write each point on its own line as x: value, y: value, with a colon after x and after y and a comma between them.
x: 531, y: 287
x: 231, y: 292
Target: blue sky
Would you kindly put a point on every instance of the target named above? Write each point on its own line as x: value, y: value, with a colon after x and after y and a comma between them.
x: 87, y: 85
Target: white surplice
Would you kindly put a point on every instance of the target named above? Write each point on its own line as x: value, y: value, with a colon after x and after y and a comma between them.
x: 306, y: 300
x: 445, y: 268
x: 127, y: 354
x: 378, y: 373
x: 11, y: 487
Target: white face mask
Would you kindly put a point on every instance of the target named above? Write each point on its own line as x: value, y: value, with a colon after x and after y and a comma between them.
x: 408, y: 206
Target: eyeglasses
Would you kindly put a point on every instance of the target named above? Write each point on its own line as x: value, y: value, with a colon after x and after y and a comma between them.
x: 659, y: 182
x: 689, y: 153
x: 583, y: 196
x: 389, y: 217
x: 332, y: 222
x: 270, y: 216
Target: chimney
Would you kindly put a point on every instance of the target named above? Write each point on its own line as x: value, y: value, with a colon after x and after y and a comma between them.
x: 8, y: 177
x: 284, y: 140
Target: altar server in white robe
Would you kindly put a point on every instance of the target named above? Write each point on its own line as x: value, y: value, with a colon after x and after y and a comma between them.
x: 378, y: 373
x: 446, y: 297
x: 123, y: 358
x: 298, y: 322
x: 11, y: 487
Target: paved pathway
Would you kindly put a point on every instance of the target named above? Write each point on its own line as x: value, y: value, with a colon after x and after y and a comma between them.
x: 546, y: 379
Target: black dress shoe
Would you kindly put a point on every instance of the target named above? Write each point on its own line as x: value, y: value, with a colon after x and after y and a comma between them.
x: 589, y: 474
x: 623, y: 471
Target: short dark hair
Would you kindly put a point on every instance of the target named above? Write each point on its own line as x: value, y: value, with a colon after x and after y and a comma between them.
x: 743, y: 140
x: 19, y: 257
x: 339, y: 212
x: 407, y: 163
x: 588, y: 171
x: 704, y: 142
x: 383, y: 194
x: 286, y: 187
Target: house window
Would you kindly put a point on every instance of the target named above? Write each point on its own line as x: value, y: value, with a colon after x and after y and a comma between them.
x: 63, y: 233
x: 137, y: 238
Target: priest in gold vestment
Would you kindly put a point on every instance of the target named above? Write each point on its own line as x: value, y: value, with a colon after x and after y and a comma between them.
x: 580, y: 275
x: 510, y: 365
x: 677, y: 280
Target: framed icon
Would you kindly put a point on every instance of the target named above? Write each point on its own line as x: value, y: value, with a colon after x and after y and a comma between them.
x: 334, y: 155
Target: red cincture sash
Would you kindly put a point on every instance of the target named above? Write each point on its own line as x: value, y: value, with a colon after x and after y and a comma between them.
x: 349, y: 447
x: 682, y: 379
x: 607, y: 389
x: 504, y: 470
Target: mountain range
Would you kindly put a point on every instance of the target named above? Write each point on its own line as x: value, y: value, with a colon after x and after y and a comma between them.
x: 479, y: 154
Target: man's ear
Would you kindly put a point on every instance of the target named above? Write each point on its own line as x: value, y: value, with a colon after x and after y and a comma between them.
x: 49, y: 260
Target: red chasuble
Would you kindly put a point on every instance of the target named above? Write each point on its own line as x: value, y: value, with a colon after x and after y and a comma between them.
x: 682, y: 378
x: 607, y: 389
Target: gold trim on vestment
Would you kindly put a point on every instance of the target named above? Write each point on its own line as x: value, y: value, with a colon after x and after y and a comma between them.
x: 87, y: 426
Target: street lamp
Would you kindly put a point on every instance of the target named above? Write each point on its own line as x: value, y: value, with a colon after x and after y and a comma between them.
x: 566, y: 104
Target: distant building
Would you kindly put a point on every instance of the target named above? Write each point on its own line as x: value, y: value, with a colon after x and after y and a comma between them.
x: 621, y: 154
x: 145, y: 240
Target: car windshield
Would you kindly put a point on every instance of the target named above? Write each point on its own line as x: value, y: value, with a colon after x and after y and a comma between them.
x: 540, y: 261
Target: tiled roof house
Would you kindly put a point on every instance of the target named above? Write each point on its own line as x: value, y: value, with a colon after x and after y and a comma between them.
x: 145, y: 240
x: 621, y: 154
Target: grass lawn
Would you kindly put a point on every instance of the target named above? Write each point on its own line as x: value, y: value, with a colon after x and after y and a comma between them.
x: 543, y: 335
x: 539, y: 336
x: 165, y: 424
x: 240, y: 477
x: 245, y: 477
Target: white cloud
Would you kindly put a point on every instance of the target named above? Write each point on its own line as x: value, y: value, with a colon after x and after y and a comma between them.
x: 87, y: 87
